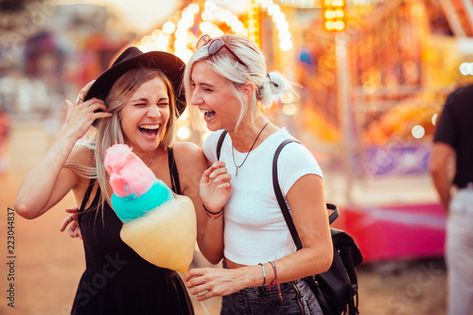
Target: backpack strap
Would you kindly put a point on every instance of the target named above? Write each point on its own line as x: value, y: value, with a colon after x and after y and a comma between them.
x: 220, y: 142
x: 175, y: 183
x: 280, y: 197
x: 282, y: 202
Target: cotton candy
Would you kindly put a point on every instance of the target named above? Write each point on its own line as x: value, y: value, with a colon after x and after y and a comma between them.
x: 159, y: 226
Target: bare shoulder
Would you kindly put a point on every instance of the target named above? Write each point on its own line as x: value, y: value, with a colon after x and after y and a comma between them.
x: 191, y: 163
x: 82, y: 155
x: 189, y: 155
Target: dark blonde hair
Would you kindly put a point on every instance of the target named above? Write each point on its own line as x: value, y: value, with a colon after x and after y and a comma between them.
x: 109, y: 131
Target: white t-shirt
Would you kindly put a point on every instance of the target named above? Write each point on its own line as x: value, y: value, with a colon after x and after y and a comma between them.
x: 255, y: 230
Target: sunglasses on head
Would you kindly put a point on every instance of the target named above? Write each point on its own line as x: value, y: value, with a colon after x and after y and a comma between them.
x: 215, y: 45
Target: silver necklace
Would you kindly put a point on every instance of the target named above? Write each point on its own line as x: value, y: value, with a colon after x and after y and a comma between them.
x: 251, y: 148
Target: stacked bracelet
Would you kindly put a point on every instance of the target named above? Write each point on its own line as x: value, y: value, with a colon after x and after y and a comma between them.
x: 275, y: 280
x: 211, y: 214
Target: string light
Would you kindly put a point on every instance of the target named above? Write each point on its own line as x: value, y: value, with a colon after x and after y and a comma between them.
x: 213, y: 14
x: 334, y: 15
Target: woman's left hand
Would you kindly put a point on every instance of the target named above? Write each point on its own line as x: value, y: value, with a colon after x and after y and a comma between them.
x: 206, y: 283
x: 215, y: 186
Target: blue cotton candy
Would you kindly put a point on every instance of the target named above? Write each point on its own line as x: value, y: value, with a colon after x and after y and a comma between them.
x: 132, y: 207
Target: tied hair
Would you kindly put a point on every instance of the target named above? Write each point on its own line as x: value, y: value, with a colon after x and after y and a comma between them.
x: 273, y: 87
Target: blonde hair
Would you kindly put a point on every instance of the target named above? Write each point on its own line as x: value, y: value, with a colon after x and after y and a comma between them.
x: 223, y: 62
x: 109, y: 131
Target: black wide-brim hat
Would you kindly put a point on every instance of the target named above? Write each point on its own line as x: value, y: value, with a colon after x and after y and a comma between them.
x: 171, y: 66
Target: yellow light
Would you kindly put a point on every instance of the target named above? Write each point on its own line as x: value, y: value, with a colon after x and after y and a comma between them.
x: 206, y: 27
x: 338, y: 3
x: 169, y: 27
x: 183, y: 133
x: 328, y: 14
x: 339, y: 13
x: 339, y: 25
x: 334, y: 15
x: 253, y: 24
x: 193, y: 8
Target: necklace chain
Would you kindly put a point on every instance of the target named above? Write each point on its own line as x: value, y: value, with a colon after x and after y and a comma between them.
x: 251, y: 148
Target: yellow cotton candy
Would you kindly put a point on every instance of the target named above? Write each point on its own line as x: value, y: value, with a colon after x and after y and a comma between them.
x: 165, y: 236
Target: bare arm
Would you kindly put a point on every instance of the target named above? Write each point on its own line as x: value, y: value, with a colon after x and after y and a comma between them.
x: 39, y: 191
x: 440, y: 158
x: 209, y: 230
x: 306, y: 198
x: 48, y: 182
x: 309, y: 213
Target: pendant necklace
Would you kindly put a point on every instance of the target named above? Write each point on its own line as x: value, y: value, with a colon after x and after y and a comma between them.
x: 251, y: 148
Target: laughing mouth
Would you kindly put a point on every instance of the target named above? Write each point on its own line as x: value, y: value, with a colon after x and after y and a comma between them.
x: 208, y: 113
x: 150, y: 129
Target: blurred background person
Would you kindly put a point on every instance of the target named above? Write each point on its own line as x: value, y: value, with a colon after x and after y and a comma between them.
x: 453, y: 147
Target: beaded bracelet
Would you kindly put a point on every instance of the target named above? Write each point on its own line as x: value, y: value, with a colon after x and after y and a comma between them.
x: 263, y: 271
x: 211, y: 214
x: 275, y: 280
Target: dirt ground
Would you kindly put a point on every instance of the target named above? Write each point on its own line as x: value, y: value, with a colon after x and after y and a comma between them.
x: 47, y: 264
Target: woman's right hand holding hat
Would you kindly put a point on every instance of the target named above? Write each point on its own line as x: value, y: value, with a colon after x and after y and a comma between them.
x: 80, y: 116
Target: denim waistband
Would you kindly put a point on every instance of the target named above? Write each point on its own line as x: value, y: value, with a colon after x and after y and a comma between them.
x: 294, y: 297
x: 270, y: 288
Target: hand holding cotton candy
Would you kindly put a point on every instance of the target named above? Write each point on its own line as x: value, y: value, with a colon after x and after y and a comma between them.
x: 161, y: 228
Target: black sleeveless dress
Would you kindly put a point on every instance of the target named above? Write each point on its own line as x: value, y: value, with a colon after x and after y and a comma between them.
x: 117, y: 281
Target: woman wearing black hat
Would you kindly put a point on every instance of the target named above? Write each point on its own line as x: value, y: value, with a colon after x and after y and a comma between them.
x: 133, y: 102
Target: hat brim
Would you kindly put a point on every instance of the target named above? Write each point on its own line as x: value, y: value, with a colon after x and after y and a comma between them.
x: 171, y: 66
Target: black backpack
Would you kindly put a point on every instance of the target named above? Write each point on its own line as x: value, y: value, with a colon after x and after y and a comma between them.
x: 336, y: 289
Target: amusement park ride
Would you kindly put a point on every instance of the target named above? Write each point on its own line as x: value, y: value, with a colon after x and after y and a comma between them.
x: 375, y: 75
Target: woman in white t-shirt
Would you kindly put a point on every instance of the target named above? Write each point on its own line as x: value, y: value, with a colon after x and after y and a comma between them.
x: 227, y: 80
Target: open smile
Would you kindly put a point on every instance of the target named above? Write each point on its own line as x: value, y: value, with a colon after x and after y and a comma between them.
x: 150, y: 131
x: 208, y: 114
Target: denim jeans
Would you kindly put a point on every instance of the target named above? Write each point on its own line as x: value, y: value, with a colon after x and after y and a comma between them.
x: 460, y: 253
x: 297, y: 298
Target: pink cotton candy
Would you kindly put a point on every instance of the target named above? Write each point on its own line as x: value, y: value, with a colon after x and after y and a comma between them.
x: 128, y: 173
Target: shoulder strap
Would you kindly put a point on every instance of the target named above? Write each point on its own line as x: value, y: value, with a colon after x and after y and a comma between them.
x: 220, y: 142
x: 87, y: 195
x: 280, y: 197
x: 282, y: 202
x: 175, y: 183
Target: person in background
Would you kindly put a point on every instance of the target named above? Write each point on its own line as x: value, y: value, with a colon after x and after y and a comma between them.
x: 135, y: 102
x: 227, y: 81
x: 453, y: 150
